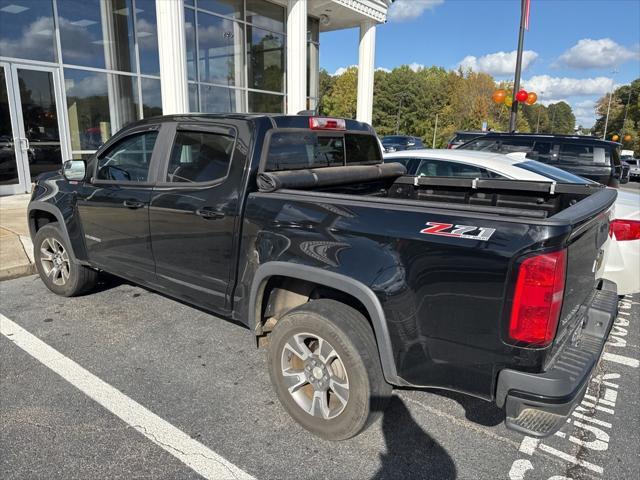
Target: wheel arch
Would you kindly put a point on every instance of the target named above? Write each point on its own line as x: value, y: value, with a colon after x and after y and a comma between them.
x: 37, y: 210
x: 337, y: 282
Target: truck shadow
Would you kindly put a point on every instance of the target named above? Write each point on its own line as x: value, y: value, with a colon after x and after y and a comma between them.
x: 411, y: 452
x: 476, y: 410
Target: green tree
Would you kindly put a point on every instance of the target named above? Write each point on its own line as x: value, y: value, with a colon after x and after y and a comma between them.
x: 341, y: 101
x: 561, y: 117
x: 624, y: 115
x: 325, y: 86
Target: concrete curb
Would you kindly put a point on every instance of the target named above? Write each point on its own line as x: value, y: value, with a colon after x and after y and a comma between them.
x: 17, y: 272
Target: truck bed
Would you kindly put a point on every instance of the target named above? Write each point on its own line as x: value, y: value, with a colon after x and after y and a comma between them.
x: 446, y: 297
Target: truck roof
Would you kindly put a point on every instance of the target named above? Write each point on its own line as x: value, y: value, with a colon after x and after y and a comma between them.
x: 277, y: 120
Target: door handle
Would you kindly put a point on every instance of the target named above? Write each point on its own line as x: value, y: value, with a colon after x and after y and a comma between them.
x: 209, y: 213
x: 133, y: 204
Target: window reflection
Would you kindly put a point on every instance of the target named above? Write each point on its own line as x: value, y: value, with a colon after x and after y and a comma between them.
x: 98, y: 34
x: 265, y: 59
x: 190, y: 39
x: 147, y: 36
x: 194, y: 105
x: 26, y: 30
x: 265, y: 14
x: 98, y: 104
x: 220, y: 50
x: 265, y: 103
x: 230, y: 8
x: 151, y: 97
x: 221, y: 99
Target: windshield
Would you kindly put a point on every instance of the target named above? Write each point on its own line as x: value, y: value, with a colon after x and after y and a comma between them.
x: 395, y: 139
x: 552, y: 173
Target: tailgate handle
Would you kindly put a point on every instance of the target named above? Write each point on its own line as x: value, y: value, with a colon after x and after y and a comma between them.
x: 209, y: 213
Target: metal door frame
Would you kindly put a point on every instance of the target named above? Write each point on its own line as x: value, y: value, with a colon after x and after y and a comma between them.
x: 21, y: 186
x: 17, y: 121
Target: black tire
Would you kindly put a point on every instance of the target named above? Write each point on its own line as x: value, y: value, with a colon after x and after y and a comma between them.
x: 79, y: 278
x: 350, y: 335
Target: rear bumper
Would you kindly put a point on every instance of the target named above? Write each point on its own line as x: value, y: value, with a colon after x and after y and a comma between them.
x: 539, y: 404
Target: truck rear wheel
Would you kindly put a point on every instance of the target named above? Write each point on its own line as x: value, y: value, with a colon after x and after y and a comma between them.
x: 325, y: 368
x: 56, y: 266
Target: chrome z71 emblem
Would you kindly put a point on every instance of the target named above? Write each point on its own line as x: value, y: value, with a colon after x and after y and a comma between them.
x: 458, y: 231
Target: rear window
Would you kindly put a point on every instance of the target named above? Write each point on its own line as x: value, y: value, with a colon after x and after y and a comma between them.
x: 552, y: 173
x: 299, y: 150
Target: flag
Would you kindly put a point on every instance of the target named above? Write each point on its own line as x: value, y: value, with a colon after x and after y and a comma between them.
x: 527, y: 11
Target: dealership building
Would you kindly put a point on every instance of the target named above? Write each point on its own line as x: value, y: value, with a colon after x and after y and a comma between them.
x: 73, y: 72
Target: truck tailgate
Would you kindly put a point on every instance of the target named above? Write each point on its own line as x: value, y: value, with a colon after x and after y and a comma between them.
x: 584, y: 256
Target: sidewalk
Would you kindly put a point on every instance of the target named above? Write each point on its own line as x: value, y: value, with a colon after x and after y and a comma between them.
x: 16, y: 249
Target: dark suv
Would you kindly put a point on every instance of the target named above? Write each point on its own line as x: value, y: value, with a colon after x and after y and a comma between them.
x: 588, y: 157
x: 396, y: 143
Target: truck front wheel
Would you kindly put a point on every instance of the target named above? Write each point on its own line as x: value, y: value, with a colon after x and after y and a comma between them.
x: 325, y: 368
x: 57, y: 268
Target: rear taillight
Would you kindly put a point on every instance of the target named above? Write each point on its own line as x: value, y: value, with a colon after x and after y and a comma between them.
x: 324, y: 123
x: 450, y: 146
x: 537, y: 299
x: 624, y: 230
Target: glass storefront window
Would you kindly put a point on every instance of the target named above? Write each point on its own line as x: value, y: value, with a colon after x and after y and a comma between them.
x: 220, y: 50
x: 265, y: 58
x: 99, y: 104
x: 230, y: 8
x: 190, y: 39
x: 221, y: 99
x: 265, y: 14
x: 151, y: 97
x: 27, y: 30
x: 97, y: 34
x: 265, y: 103
x: 147, y: 36
x: 194, y: 104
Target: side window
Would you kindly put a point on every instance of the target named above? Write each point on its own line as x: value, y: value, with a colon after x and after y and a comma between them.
x: 484, y: 145
x: 198, y: 157
x: 515, y: 145
x: 544, y: 152
x: 581, y: 154
x: 438, y: 168
x: 128, y: 160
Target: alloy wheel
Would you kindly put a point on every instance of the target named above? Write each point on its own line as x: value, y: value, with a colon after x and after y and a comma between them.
x: 55, y: 261
x: 315, y: 375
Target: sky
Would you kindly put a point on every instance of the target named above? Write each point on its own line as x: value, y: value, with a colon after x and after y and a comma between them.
x: 571, y: 49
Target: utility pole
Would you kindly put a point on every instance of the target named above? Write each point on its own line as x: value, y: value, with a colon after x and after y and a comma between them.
x: 434, y: 133
x: 516, y: 84
x: 539, y: 110
x: 606, y: 122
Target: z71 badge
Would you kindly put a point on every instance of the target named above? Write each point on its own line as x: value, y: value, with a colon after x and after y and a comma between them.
x: 458, y: 231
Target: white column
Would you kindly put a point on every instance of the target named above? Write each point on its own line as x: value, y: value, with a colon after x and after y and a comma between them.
x: 173, y: 56
x: 367, y: 53
x: 296, y: 56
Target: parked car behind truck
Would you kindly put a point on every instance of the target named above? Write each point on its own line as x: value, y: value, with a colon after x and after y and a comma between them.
x: 361, y: 277
x: 622, y: 249
x: 588, y: 157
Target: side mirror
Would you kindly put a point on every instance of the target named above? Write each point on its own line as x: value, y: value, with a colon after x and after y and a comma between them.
x: 74, y: 170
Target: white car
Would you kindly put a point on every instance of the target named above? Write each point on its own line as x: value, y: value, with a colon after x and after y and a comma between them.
x: 622, y: 250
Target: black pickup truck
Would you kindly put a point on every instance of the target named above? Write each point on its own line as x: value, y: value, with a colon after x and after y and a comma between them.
x: 357, y: 276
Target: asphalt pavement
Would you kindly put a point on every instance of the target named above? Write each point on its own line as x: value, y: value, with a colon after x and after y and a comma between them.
x: 90, y: 386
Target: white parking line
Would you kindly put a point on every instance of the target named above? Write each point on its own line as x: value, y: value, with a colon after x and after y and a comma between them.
x: 192, y: 453
x: 612, y: 357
